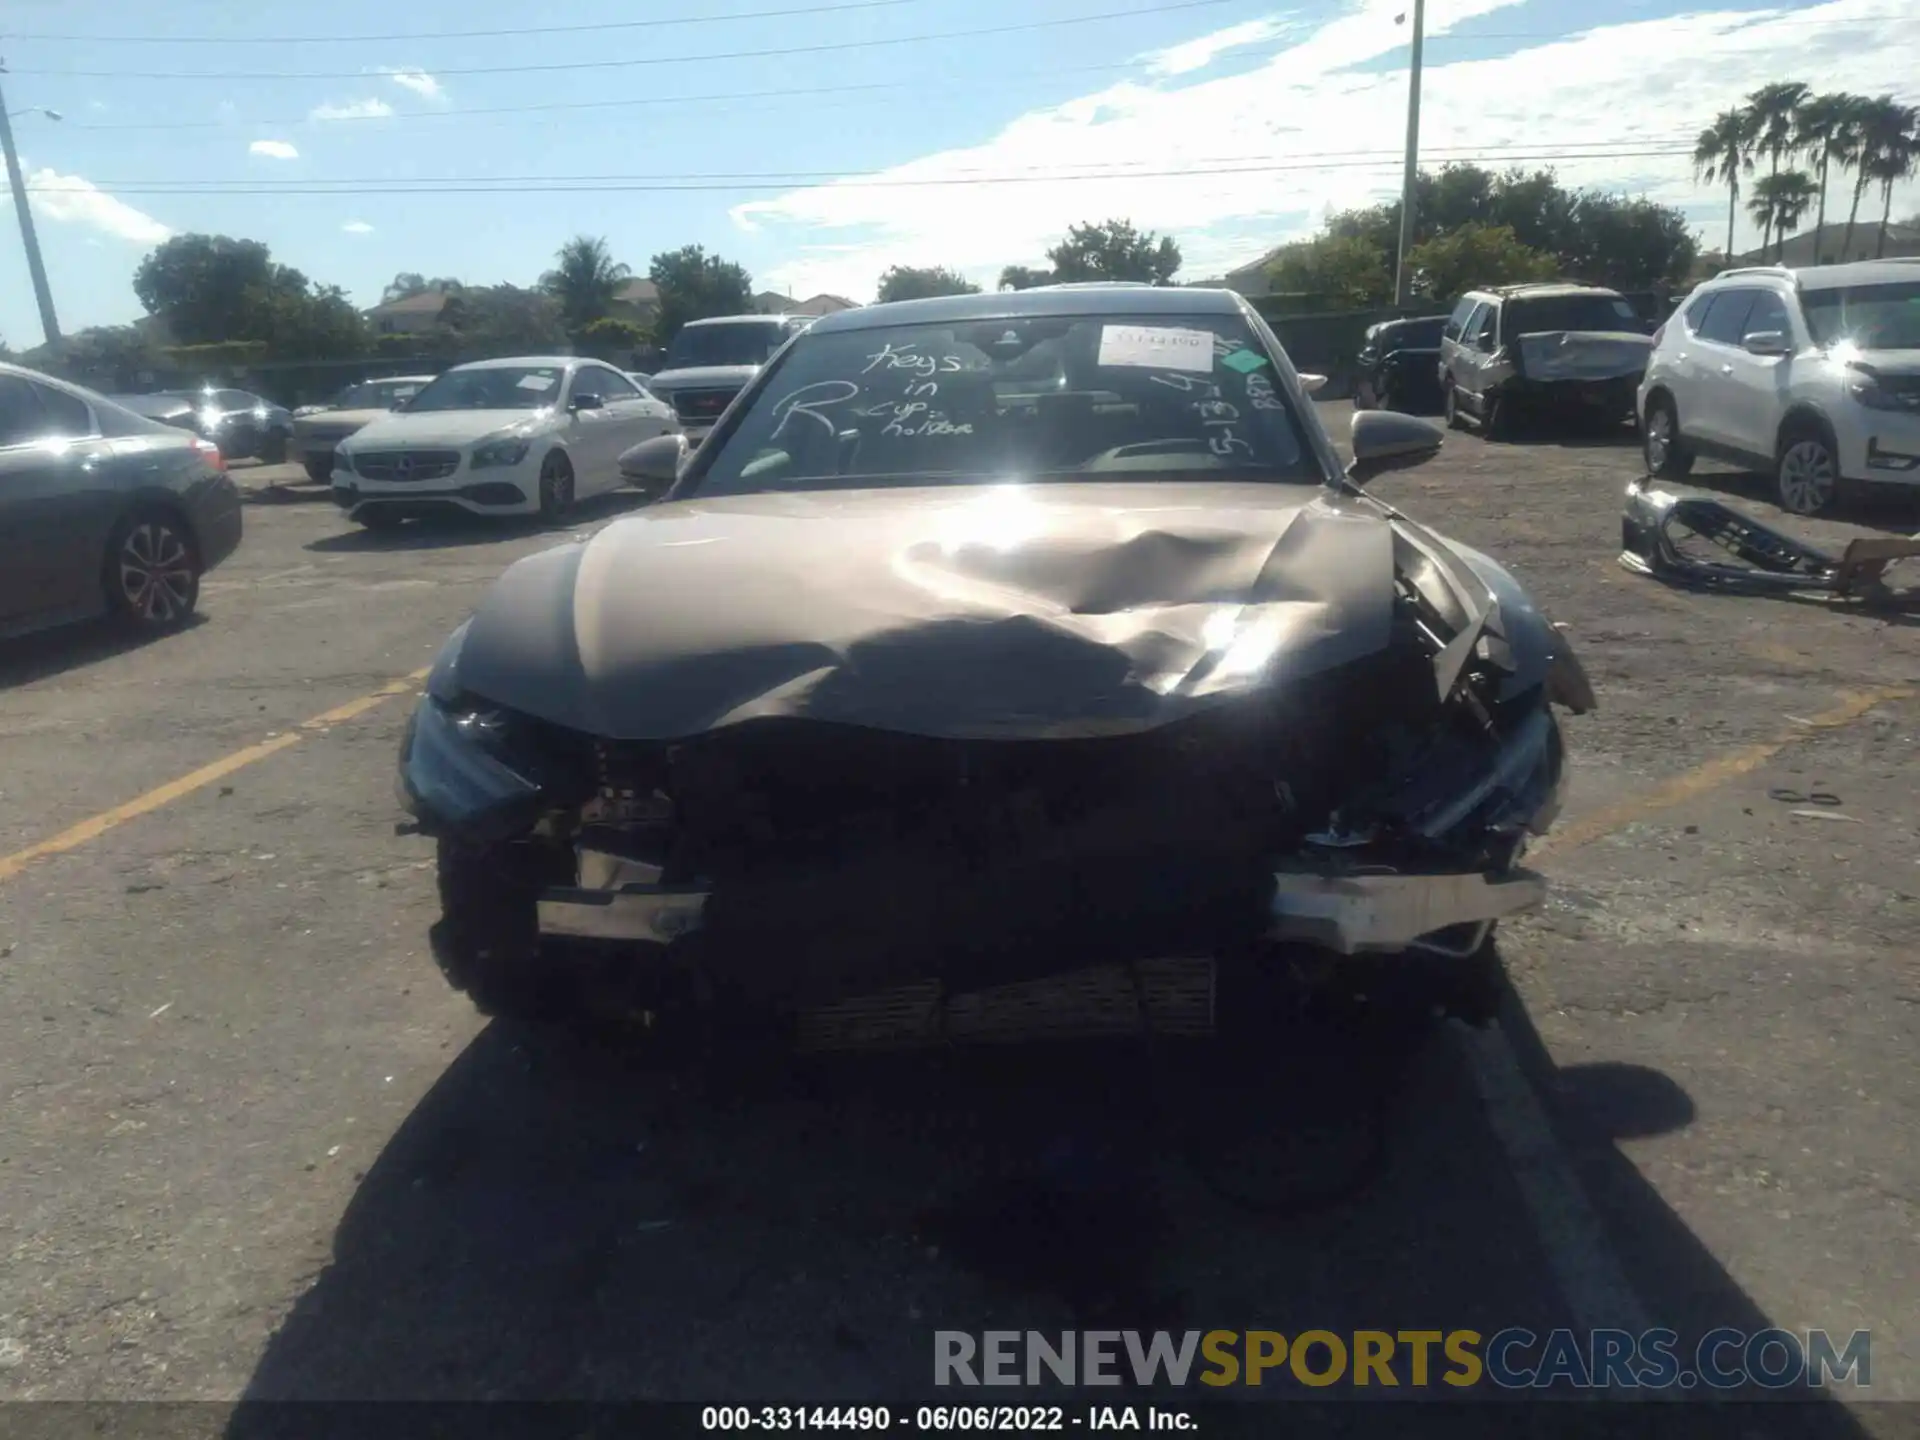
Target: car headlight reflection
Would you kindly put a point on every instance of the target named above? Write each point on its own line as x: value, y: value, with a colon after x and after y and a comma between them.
x: 489, y: 454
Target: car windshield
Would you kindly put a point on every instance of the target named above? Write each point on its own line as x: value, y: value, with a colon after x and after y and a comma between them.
x: 1572, y: 312
x: 1873, y: 317
x: 491, y: 387
x: 745, y: 343
x: 1065, y: 397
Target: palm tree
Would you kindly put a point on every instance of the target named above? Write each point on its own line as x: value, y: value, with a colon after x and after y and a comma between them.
x: 1890, y: 152
x: 584, y: 281
x: 1770, y: 111
x: 1780, y: 202
x: 1724, y: 149
x: 1849, y: 150
x: 1820, y: 128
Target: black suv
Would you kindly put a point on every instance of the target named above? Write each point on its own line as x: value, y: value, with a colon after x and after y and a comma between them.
x: 1397, y: 367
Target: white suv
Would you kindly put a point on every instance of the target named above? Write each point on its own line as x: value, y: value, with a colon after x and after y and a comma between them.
x: 1810, y: 375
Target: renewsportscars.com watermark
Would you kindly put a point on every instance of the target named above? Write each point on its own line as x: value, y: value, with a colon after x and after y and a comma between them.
x: 1511, y: 1359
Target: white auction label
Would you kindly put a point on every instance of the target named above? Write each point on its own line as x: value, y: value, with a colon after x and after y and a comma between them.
x: 1154, y: 347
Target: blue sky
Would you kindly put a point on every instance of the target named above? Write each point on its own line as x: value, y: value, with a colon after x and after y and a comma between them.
x: 1232, y: 124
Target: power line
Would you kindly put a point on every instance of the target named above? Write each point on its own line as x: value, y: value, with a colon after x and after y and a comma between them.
x: 424, y: 36
x: 1746, y: 19
x: 376, y: 184
x: 1755, y: 17
x: 882, y: 86
x: 691, y: 183
x: 1023, y: 27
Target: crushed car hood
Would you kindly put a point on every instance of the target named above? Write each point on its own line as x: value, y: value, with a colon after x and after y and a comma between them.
x: 988, y: 611
x: 1583, y: 354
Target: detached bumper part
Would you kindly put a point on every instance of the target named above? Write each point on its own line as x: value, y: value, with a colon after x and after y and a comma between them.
x: 1657, y: 522
x: 1362, y: 914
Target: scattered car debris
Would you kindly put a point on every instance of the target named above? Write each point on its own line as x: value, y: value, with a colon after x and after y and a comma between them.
x: 1823, y: 815
x: 1658, y: 524
x: 1795, y: 797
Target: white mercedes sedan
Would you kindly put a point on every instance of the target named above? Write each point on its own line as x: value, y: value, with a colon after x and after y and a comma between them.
x: 527, y: 435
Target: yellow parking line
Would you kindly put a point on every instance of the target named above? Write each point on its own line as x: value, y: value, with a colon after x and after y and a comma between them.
x: 1709, y: 776
x: 94, y: 827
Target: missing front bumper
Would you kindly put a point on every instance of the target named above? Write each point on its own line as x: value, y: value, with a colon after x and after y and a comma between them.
x: 1346, y: 914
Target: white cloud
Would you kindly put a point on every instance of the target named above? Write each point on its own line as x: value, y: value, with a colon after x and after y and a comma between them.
x: 357, y: 227
x: 273, y: 150
x: 369, y: 108
x: 70, y: 200
x: 1307, y: 132
x: 1197, y: 54
x: 418, y: 81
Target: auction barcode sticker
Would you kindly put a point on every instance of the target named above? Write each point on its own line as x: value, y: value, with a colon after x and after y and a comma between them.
x: 1155, y: 347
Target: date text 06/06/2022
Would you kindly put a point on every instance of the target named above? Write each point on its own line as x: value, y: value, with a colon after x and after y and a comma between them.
x: 928, y: 1419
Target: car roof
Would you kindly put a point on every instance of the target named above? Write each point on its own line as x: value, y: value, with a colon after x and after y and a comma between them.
x: 1106, y: 298
x: 394, y: 380
x: 757, y: 319
x: 559, y: 362
x: 1542, y: 290
x: 1858, y: 272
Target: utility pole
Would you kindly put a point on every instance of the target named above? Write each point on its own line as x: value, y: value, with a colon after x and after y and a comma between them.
x: 35, y: 266
x: 1402, y: 281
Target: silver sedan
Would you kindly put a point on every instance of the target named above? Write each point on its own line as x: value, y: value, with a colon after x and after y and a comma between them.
x: 103, y: 511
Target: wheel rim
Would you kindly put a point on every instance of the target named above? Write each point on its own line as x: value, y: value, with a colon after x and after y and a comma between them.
x: 556, y: 486
x: 156, y: 573
x: 1659, y: 439
x: 1806, y: 477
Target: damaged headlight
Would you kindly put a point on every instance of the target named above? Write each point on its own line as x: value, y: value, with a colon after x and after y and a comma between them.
x: 456, y: 774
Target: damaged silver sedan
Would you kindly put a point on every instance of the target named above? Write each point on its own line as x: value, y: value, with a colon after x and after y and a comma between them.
x: 989, y: 640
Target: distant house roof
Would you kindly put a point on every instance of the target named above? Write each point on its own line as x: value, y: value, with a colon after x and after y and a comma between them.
x: 637, y: 291
x: 822, y: 305
x: 771, y: 302
x: 424, y: 302
x: 1799, y: 249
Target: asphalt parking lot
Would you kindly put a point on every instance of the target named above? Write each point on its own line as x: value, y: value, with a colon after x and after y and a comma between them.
x: 252, y: 1145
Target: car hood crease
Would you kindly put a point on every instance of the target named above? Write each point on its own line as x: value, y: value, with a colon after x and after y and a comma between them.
x: 1006, y: 611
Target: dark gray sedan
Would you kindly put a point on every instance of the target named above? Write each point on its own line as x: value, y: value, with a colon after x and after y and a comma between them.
x: 103, y: 511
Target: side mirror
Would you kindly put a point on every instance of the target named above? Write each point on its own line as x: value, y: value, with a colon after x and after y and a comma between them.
x: 654, y: 464
x: 1312, y: 384
x: 586, y: 402
x: 398, y: 405
x: 1766, y: 342
x: 1386, y: 440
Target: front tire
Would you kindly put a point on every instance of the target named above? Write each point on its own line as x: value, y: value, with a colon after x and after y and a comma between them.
x: 320, y: 468
x: 1452, y: 406
x: 556, y: 487
x: 1666, y: 455
x: 1806, y: 470
x: 152, y: 572
x: 273, y: 450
